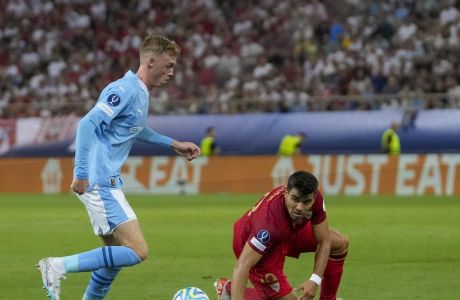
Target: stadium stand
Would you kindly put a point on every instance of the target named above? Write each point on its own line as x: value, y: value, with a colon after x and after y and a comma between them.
x: 238, y: 56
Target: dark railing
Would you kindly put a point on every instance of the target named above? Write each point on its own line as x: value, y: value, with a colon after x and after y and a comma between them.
x: 401, y: 101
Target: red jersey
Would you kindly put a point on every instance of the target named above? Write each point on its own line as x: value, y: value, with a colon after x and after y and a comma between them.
x: 268, y: 226
x: 269, y: 230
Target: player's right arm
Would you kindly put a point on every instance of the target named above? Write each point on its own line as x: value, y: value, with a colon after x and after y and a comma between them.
x: 111, y: 102
x: 84, y: 139
x: 248, y: 258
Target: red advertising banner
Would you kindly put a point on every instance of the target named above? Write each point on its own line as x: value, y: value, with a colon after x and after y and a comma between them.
x: 409, y: 174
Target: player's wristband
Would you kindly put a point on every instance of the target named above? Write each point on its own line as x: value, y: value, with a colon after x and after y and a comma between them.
x: 316, y: 279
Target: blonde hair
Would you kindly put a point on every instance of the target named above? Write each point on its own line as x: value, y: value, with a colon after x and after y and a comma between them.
x: 159, y: 45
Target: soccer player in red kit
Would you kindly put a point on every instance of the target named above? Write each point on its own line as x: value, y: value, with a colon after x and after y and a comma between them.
x: 288, y: 221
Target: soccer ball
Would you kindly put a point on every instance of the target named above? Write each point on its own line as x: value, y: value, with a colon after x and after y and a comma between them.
x: 190, y: 293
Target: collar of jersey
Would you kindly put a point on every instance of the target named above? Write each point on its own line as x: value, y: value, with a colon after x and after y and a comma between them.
x: 142, y: 84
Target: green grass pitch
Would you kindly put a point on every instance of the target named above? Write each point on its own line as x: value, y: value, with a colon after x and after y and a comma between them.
x: 401, y: 248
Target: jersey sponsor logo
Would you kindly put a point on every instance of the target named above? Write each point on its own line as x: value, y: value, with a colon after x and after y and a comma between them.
x: 136, y: 129
x: 263, y: 236
x: 258, y: 244
x: 105, y: 108
x: 113, y: 100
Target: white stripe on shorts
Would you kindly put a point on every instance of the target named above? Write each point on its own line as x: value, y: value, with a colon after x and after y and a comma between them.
x: 107, y: 209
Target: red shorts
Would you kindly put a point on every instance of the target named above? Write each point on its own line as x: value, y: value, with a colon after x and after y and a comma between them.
x: 267, y: 276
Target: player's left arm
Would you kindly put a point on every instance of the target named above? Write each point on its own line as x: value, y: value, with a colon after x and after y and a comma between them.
x: 152, y: 137
x: 187, y: 149
x: 321, y: 232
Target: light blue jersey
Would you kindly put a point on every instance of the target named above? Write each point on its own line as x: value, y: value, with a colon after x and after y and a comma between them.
x: 106, y: 134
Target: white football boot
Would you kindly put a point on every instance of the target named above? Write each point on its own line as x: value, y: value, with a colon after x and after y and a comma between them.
x: 220, y: 286
x: 51, y: 277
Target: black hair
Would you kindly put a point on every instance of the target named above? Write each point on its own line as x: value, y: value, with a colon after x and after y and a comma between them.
x: 305, y: 182
x: 302, y: 134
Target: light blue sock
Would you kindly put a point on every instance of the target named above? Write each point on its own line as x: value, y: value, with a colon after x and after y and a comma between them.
x: 103, y: 257
x: 99, y: 284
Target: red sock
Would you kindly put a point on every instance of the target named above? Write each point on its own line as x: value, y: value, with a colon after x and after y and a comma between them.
x: 332, y: 275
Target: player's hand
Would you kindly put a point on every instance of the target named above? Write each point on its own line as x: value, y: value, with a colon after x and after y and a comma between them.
x: 307, y: 289
x: 186, y: 149
x: 79, y: 186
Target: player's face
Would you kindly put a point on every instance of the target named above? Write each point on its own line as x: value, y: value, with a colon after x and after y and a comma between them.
x: 162, y: 69
x: 298, y: 208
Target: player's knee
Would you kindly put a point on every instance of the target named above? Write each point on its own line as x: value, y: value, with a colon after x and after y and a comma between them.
x: 141, y: 251
x: 143, y: 256
x: 345, y: 242
x: 340, y: 244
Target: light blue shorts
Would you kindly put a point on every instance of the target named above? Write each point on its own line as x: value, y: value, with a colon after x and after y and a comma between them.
x: 107, y: 209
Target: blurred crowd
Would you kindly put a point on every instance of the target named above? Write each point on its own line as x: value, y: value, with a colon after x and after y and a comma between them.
x: 237, y: 56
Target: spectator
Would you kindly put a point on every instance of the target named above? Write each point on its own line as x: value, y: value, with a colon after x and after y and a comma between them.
x: 390, y: 140
x: 251, y: 42
x: 208, y: 145
x: 291, y: 144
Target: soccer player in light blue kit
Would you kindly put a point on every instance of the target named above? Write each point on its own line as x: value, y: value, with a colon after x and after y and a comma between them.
x: 104, y: 138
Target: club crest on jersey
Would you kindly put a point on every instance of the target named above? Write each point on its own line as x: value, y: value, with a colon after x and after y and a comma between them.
x: 113, y: 99
x: 263, y: 236
x: 272, y: 281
